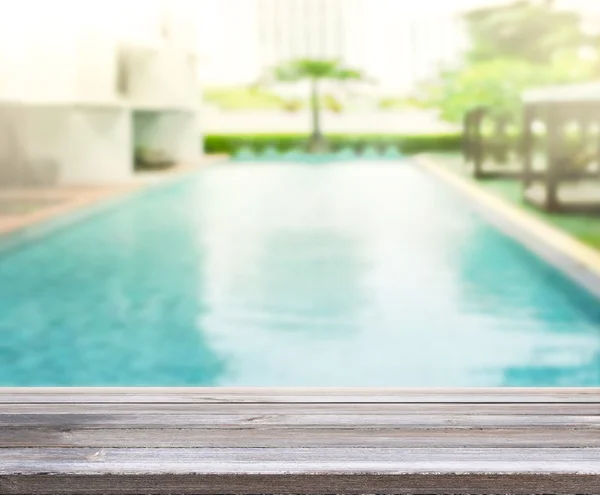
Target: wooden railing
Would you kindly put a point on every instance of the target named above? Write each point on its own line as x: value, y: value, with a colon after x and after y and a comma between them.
x: 303, y: 441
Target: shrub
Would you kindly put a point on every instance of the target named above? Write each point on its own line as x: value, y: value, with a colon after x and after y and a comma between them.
x: 397, y: 103
x: 408, y: 144
x: 332, y: 104
x: 293, y: 105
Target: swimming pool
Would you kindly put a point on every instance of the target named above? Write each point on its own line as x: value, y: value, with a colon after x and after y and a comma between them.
x: 349, y: 274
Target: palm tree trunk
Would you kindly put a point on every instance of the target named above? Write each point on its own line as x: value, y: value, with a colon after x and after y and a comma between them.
x: 316, y: 142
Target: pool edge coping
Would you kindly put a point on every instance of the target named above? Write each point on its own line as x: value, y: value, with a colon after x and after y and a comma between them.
x: 557, y: 247
x: 79, y: 209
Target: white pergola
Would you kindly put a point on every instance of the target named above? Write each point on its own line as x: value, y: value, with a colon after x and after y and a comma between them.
x: 558, y: 107
x: 568, y: 93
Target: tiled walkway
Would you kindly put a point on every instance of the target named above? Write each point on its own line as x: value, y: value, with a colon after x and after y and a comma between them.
x: 20, y: 208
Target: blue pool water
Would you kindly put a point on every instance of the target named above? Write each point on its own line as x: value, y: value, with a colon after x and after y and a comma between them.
x: 349, y: 274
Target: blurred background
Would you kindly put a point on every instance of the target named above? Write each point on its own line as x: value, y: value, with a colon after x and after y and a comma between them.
x: 288, y: 192
x: 427, y: 60
x: 422, y: 66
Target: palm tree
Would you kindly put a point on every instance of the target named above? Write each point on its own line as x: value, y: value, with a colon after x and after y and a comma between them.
x: 315, y: 71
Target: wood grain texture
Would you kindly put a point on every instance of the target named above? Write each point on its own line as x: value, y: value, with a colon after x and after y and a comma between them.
x: 201, y: 441
x: 323, y: 408
x: 299, y: 437
x: 168, y: 420
x: 295, y: 395
x: 193, y: 484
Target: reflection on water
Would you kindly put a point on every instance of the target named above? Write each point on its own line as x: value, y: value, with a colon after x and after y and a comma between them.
x: 385, y: 279
x: 358, y: 274
x: 317, y: 290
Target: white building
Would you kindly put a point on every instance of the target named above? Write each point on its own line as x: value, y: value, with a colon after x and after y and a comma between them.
x: 392, y: 43
x: 83, y: 83
x: 289, y: 29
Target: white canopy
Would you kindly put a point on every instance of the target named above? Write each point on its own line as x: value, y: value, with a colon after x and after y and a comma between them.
x: 565, y: 93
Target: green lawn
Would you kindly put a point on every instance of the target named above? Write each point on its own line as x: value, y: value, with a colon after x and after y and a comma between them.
x: 586, y: 228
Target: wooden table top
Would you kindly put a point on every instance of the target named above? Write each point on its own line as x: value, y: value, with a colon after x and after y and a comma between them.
x: 249, y: 441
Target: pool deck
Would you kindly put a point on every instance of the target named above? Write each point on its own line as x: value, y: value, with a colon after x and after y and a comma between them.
x: 245, y: 440
x: 578, y: 260
x: 22, y: 208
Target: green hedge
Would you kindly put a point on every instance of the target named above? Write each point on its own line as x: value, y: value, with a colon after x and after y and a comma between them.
x: 231, y: 143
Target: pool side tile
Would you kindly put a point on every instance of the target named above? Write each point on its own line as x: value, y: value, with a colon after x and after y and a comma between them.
x: 544, y: 234
x: 69, y: 199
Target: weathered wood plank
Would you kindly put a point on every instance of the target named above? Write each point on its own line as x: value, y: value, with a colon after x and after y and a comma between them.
x: 297, y: 395
x: 318, y: 484
x: 299, y: 461
x: 325, y: 438
x: 347, y: 409
x: 119, y: 441
x: 295, y: 420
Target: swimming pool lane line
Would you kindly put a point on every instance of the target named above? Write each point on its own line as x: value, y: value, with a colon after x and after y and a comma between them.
x: 571, y: 256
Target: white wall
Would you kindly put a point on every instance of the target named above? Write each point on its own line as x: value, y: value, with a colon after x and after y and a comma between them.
x: 164, y: 72
x: 61, y: 145
x: 96, y: 78
x: 99, y: 149
x: 164, y: 78
x: 66, y: 51
x: 32, y: 145
x: 62, y: 120
x: 44, y: 143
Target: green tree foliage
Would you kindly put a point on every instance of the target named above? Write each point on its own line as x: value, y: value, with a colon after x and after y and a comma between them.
x: 514, y: 47
x: 243, y: 98
x: 314, y: 72
x: 499, y: 84
x: 332, y: 104
x: 529, y: 30
x: 293, y: 105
